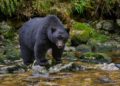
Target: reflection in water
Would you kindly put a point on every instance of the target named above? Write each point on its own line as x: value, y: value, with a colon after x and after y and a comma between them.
x: 82, y: 78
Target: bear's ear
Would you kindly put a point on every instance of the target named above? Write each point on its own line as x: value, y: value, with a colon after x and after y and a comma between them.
x: 53, y: 29
x: 68, y: 30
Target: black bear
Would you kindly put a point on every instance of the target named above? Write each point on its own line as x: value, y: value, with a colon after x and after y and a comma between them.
x: 37, y: 35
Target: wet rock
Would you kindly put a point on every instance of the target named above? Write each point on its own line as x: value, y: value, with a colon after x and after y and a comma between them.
x: 105, y: 80
x: 70, y: 67
x: 108, y: 67
x: 70, y: 56
x: 39, y: 71
x: 83, y: 48
x: 59, y: 67
x: 49, y: 84
x: 117, y: 65
x: 75, y: 68
x: 107, y: 46
x: 67, y: 49
x: 118, y: 22
x: 108, y: 25
x: 105, y: 25
x: 11, y: 69
x: 95, y: 58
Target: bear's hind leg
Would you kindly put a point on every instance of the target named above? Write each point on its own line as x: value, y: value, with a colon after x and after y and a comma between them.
x: 27, y: 55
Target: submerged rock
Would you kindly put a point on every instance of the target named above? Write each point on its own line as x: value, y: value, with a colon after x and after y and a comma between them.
x: 105, y: 79
x: 11, y: 69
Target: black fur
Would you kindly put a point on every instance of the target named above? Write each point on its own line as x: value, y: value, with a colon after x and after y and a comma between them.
x: 37, y: 35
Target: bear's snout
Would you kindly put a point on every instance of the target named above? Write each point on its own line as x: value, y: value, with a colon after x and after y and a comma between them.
x: 60, y: 44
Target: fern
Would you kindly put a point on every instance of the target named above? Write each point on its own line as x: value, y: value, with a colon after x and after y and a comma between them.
x: 81, y: 5
x: 42, y: 5
x: 8, y: 7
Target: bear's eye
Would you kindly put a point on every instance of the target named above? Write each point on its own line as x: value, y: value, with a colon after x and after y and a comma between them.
x: 53, y: 30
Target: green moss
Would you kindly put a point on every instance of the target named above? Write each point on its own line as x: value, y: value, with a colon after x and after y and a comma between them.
x: 83, y: 32
x: 9, y: 49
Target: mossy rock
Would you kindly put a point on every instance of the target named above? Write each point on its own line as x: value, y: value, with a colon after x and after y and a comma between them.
x: 83, y: 32
x: 95, y: 57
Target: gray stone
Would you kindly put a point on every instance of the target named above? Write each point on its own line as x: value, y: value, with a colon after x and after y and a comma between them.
x: 59, y: 67
x: 99, y: 25
x: 117, y: 65
x: 67, y: 49
x: 105, y: 79
x: 105, y: 25
x: 83, y: 48
x: 108, y: 67
x: 118, y: 22
x: 108, y: 25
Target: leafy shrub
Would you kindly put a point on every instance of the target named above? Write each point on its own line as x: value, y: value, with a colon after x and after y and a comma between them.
x: 81, y: 5
x: 96, y: 8
x: 42, y: 5
x: 9, y: 49
x: 7, y: 31
x: 8, y: 7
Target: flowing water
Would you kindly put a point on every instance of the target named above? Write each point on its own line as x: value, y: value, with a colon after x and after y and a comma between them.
x: 92, y: 77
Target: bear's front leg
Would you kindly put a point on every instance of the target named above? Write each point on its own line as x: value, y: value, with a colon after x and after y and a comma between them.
x: 57, y: 54
x: 40, y: 51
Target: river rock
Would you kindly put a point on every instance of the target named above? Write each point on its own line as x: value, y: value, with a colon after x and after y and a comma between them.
x: 117, y: 65
x: 83, y: 48
x: 11, y: 69
x: 105, y: 79
x: 107, y: 46
x: 108, y: 67
x: 118, y: 22
x: 39, y: 71
x: 95, y: 58
x: 67, y: 49
x: 105, y: 25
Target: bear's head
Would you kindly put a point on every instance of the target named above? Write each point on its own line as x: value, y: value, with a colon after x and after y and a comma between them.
x: 59, y: 36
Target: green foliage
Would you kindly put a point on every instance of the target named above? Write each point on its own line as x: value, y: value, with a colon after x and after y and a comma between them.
x: 42, y: 5
x: 8, y: 7
x: 96, y: 8
x: 96, y: 56
x: 11, y: 51
x: 81, y: 5
x: 9, y: 45
x: 83, y: 32
x: 107, y: 5
x: 7, y: 31
x: 100, y: 37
